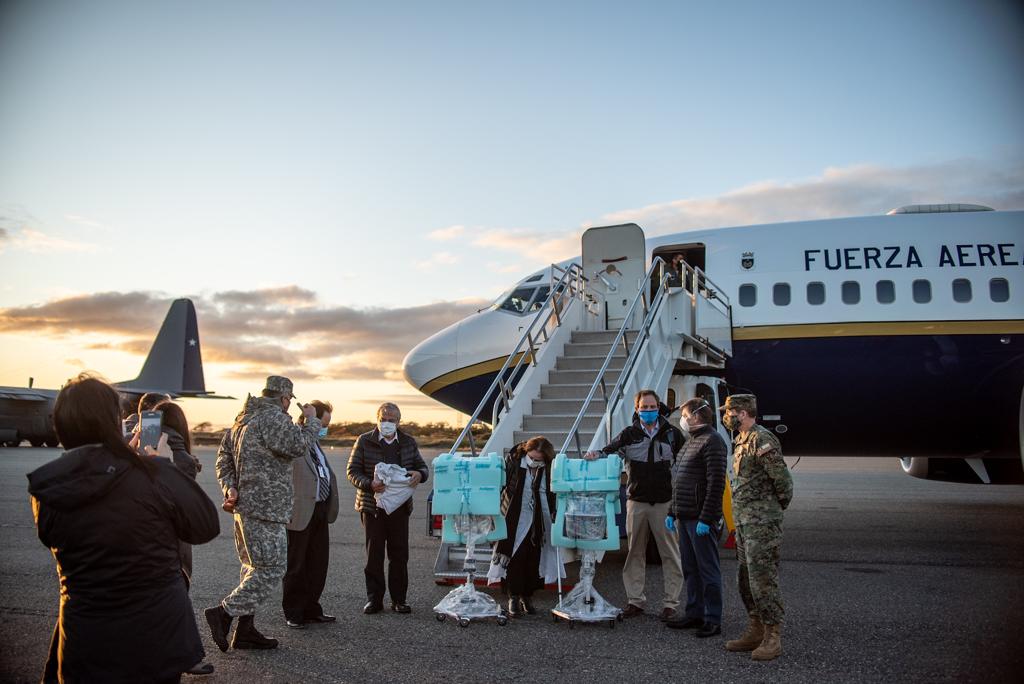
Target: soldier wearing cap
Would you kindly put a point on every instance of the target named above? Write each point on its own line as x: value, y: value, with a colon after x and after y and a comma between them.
x: 761, y: 490
x: 254, y: 468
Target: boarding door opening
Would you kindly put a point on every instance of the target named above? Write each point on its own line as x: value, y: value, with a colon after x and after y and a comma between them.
x: 614, y: 264
x: 694, y: 254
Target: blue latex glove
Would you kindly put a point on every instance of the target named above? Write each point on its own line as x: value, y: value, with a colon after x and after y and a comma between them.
x: 703, y: 529
x: 670, y: 523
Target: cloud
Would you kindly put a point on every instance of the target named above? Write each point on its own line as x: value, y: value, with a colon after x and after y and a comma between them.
x: 252, y: 332
x: 88, y: 222
x: 437, y: 260
x: 4, y: 236
x: 858, y: 190
x: 444, y: 234
x: 548, y: 246
x: 34, y: 242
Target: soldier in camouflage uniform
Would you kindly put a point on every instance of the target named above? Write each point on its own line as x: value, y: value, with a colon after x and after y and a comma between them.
x: 761, y: 490
x: 254, y: 468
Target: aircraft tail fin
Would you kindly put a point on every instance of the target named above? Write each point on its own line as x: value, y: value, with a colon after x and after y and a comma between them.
x: 175, y: 363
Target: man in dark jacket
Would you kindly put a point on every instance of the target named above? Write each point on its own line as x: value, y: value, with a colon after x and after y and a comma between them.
x: 698, y: 483
x: 648, y: 447
x: 385, y: 533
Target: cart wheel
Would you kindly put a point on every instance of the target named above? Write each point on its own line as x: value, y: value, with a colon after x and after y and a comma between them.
x: 554, y: 618
x: 572, y: 624
x: 619, y: 617
x: 440, y: 617
x: 611, y: 623
x: 502, y: 620
x: 463, y: 622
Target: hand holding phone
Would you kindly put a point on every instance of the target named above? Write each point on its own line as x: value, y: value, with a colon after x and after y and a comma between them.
x: 150, y: 429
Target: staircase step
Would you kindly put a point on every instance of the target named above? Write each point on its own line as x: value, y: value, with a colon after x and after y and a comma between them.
x: 556, y: 438
x: 573, y: 377
x: 577, y: 391
x: 550, y: 407
x: 591, y: 349
x: 589, y: 362
x: 542, y: 424
x: 605, y: 337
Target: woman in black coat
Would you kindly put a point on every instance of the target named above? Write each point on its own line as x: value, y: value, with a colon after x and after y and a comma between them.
x: 525, y: 559
x: 113, y: 519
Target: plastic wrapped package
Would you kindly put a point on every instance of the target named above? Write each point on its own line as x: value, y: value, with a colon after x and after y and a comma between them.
x: 397, y: 487
x: 466, y: 603
x: 585, y: 516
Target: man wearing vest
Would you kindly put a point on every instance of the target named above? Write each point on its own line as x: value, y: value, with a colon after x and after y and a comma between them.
x: 648, y: 447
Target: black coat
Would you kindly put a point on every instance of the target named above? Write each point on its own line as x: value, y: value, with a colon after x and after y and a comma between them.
x: 698, y: 477
x: 113, y: 528
x: 367, y: 453
x: 512, y: 496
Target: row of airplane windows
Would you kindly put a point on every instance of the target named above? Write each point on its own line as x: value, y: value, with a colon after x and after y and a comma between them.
x: 885, y: 292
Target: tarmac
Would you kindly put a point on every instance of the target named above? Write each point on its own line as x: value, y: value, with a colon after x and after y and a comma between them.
x: 885, y: 578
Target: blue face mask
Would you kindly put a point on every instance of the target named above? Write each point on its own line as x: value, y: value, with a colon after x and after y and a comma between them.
x: 649, y: 416
x: 322, y: 433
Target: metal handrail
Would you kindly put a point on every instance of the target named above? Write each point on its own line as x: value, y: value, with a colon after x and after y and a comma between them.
x: 569, y: 286
x: 658, y: 263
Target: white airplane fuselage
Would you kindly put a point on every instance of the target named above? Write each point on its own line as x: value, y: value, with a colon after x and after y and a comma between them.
x: 899, y: 335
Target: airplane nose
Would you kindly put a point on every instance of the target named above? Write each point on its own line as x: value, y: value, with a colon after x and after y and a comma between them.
x: 433, y: 357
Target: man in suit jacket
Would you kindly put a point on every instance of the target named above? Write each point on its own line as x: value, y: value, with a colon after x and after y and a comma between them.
x: 315, y: 507
x: 385, y: 533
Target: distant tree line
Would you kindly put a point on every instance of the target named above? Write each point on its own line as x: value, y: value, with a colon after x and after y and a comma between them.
x: 434, y: 434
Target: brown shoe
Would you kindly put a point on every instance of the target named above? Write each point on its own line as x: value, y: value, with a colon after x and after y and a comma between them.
x: 771, y: 646
x: 751, y: 637
x: 632, y: 610
x: 667, y: 614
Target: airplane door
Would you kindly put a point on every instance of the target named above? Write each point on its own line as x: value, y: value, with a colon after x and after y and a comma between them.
x: 614, y: 262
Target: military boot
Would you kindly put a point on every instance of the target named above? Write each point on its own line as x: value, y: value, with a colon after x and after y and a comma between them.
x: 247, y: 636
x: 771, y: 647
x: 750, y: 639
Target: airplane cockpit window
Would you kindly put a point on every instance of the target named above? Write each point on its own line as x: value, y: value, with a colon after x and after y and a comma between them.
x: 780, y: 294
x: 748, y: 295
x: 851, y: 292
x: 885, y: 292
x: 534, y: 278
x: 961, y: 290
x: 518, y: 300
x: 922, y: 291
x: 999, y: 289
x: 542, y: 296
x: 815, y: 293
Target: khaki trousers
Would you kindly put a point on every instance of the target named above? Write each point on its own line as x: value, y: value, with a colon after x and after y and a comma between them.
x: 643, y: 519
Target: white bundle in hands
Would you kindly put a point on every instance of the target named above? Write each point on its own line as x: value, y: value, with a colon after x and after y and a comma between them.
x: 397, y: 486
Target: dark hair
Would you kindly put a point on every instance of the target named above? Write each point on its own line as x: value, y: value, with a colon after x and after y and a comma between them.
x: 149, y: 400
x: 700, y: 408
x: 541, y: 444
x: 174, y: 418
x: 643, y: 393
x: 321, y: 407
x: 88, y: 411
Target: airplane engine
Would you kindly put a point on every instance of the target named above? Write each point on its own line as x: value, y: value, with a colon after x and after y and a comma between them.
x: 969, y: 471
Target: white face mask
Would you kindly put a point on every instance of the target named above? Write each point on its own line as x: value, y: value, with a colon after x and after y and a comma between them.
x: 387, y: 428
x: 534, y: 464
x: 684, y: 426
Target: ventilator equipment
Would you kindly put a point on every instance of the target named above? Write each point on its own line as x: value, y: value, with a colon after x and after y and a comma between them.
x: 467, y: 493
x: 587, y: 503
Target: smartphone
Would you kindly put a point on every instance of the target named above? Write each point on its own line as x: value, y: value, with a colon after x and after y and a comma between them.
x: 127, y: 428
x: 150, y: 428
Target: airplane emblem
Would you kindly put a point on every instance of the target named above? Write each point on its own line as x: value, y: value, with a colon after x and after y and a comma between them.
x: 192, y: 343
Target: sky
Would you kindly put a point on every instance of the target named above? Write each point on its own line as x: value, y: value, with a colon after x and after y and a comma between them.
x: 332, y: 182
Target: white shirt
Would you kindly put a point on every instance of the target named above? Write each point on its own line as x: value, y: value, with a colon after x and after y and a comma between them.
x: 322, y: 470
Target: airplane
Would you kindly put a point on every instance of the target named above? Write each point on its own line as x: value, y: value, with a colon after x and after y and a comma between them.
x: 174, y: 366
x: 892, y: 335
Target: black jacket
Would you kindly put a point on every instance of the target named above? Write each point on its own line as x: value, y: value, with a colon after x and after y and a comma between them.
x: 698, y: 477
x: 648, y: 461
x: 183, y: 460
x: 367, y: 453
x: 125, y: 615
x: 512, y: 496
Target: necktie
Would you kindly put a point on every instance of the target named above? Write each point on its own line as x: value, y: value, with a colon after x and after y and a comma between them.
x: 323, y: 481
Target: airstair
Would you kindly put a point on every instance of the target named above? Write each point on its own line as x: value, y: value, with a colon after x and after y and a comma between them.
x: 609, y: 328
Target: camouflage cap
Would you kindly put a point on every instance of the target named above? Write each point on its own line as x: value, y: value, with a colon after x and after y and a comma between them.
x: 740, y: 402
x: 279, y: 384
